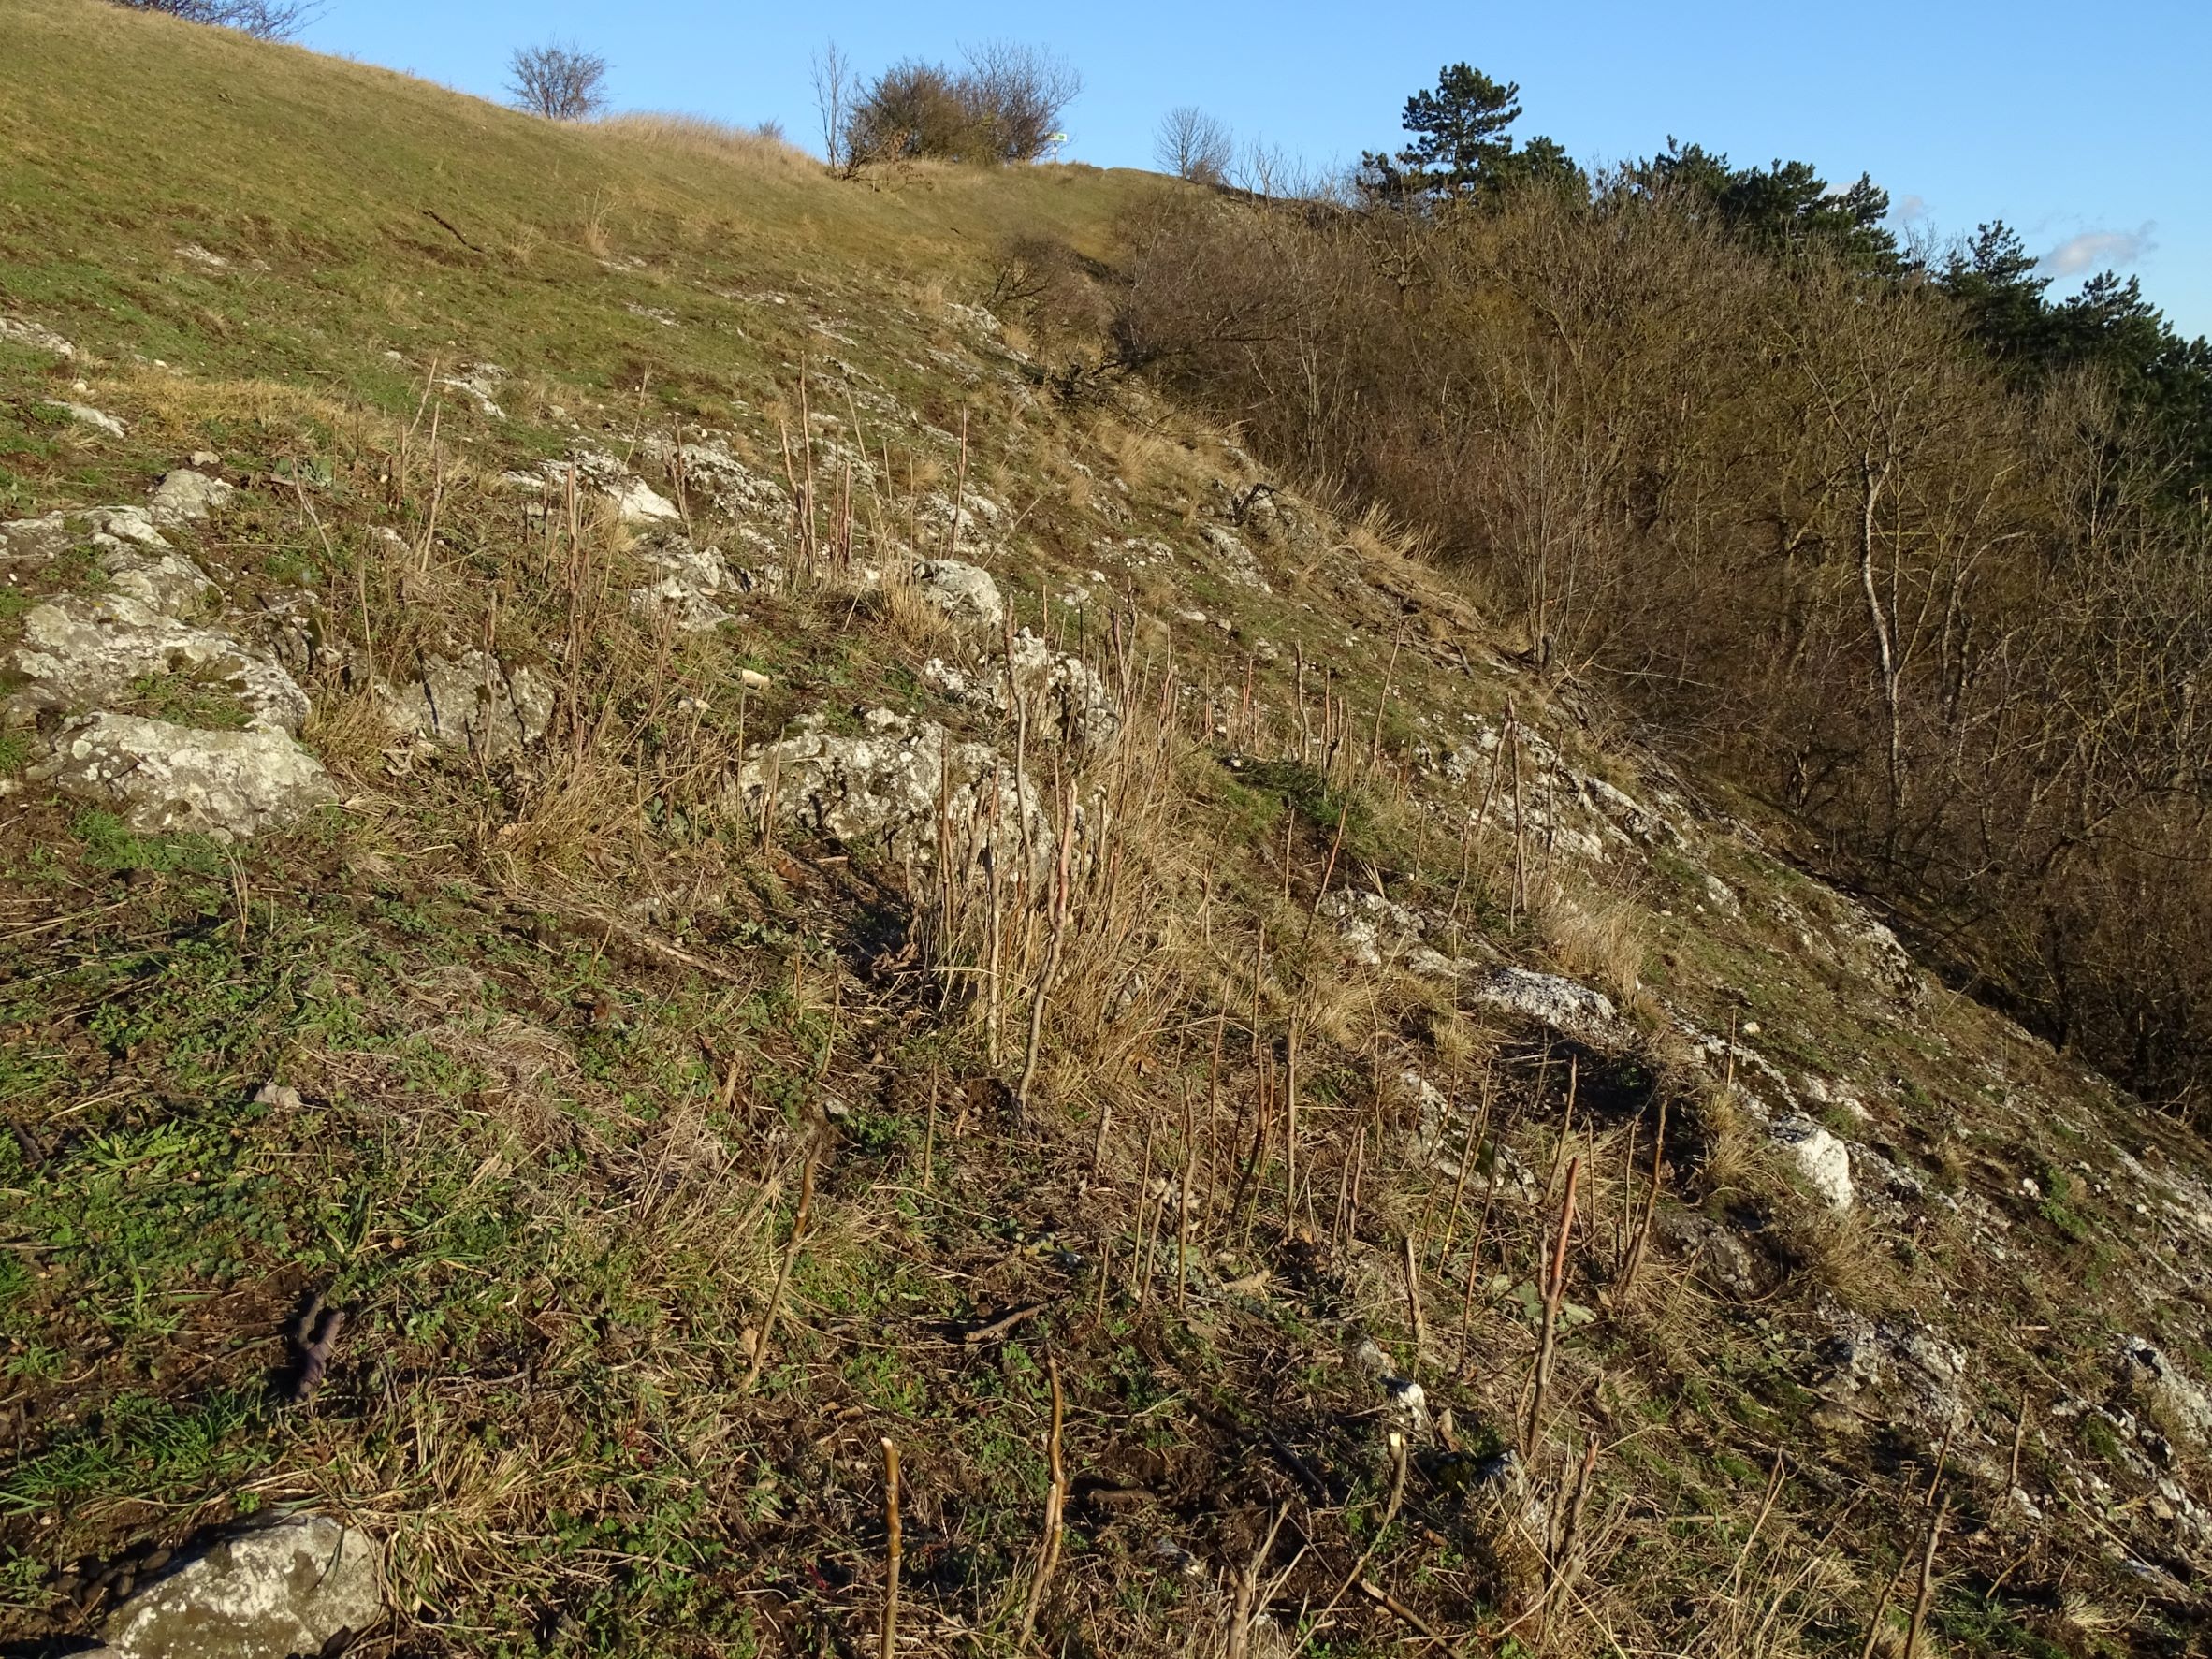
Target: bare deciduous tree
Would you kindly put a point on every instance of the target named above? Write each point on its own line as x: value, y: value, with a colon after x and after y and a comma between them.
x: 1194, y: 145
x: 836, y: 89
x: 559, y: 82
x: 264, y: 20
x: 1020, y: 93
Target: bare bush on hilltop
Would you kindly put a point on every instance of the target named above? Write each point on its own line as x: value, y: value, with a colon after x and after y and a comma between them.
x: 264, y: 20
x: 1194, y: 145
x: 1003, y: 106
x: 559, y: 82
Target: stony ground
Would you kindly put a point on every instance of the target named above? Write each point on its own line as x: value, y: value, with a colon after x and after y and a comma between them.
x: 645, y: 849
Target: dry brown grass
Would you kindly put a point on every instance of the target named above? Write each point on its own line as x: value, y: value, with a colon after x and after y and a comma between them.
x: 759, y: 153
x: 1597, y: 937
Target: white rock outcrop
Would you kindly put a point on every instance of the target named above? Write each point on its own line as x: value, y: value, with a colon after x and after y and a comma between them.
x: 963, y: 591
x: 1822, y: 1160
x: 291, y: 1588
x: 162, y: 777
x: 887, y: 788
x: 37, y: 336
x: 473, y: 703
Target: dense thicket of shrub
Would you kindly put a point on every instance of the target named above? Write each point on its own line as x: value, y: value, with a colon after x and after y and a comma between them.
x: 1732, y: 456
x: 1004, y: 104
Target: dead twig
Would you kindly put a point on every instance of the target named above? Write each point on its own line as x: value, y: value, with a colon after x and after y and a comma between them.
x: 1004, y: 1323
x: 791, y: 1255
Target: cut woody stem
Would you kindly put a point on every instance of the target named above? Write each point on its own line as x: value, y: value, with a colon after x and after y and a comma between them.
x: 1055, y: 1498
x: 890, y: 1548
x: 1554, y: 1290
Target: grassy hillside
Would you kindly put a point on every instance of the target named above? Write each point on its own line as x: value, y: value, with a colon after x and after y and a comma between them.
x: 739, y: 1005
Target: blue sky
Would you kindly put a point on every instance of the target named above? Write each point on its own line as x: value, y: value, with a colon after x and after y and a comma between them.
x: 2091, y: 133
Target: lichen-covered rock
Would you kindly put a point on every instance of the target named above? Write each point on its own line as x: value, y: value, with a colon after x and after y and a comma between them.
x: 270, y: 1594
x: 1570, y: 1008
x: 84, y: 414
x: 891, y: 787
x: 185, y: 495
x: 163, y: 777
x: 80, y: 652
x: 964, y: 592
x: 474, y: 702
x: 1062, y: 697
x: 37, y: 336
x: 686, y: 581
x: 2181, y: 1409
x: 1823, y: 1161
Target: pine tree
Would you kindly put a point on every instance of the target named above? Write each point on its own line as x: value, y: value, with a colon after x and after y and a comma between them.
x: 1459, y: 128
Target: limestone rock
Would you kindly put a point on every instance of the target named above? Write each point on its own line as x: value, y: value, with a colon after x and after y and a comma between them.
x: 1570, y: 1008
x: 82, y: 652
x: 185, y: 495
x: 1823, y: 1161
x: 85, y: 414
x: 883, y: 790
x: 964, y: 592
x: 269, y: 1593
x: 475, y: 702
x: 2181, y: 1409
x: 686, y: 581
x: 164, y: 778
x: 1064, y: 698
x: 37, y: 336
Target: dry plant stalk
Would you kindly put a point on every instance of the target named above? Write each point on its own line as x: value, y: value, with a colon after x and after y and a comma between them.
x: 1412, y: 1302
x: 1928, y: 1577
x: 791, y: 1254
x: 1643, y: 1226
x: 1565, y: 1562
x: 890, y: 1548
x: 1555, y: 1291
x: 1056, y: 1499
x: 1052, y: 949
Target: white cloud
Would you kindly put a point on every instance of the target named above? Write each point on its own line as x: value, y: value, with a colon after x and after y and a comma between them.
x: 1912, y: 208
x: 2098, y: 249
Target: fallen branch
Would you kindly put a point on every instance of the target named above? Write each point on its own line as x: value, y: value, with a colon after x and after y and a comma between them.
x: 1004, y: 1323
